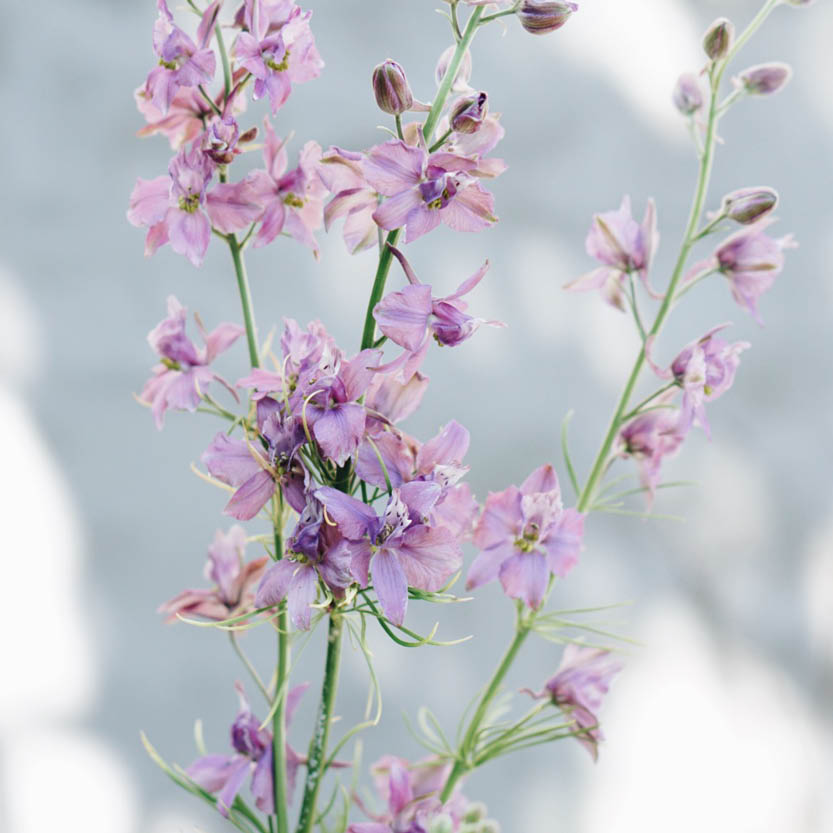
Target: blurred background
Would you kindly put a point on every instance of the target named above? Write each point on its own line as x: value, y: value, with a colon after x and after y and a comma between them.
x: 722, y: 719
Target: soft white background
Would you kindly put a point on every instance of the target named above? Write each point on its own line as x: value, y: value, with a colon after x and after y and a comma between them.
x: 722, y: 720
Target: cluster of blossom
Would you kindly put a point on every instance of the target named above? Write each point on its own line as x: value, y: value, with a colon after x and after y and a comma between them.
x: 380, y: 516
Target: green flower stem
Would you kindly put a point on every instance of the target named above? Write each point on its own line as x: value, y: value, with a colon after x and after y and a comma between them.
x: 279, y: 719
x: 317, y: 755
x: 385, y: 255
x: 689, y: 238
x: 464, y: 761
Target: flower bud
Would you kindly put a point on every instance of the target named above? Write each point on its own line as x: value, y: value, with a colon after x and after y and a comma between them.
x: 539, y: 17
x: 764, y: 79
x: 749, y: 204
x: 718, y: 38
x: 441, y: 824
x: 688, y: 97
x: 461, y: 79
x: 476, y: 811
x: 468, y: 113
x: 390, y: 86
x: 249, y: 136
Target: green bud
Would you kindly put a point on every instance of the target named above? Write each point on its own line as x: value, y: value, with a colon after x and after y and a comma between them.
x: 718, y: 38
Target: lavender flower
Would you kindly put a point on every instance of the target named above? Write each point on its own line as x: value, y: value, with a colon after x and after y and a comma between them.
x: 292, y: 201
x: 396, y: 549
x: 582, y: 680
x: 751, y: 261
x: 651, y: 437
x: 225, y: 774
x: 525, y: 535
x: 234, y: 581
x: 410, y: 316
x: 278, y: 49
x: 315, y: 551
x: 616, y: 240
x: 705, y: 370
x: 424, y: 190
x: 182, y: 63
x: 184, y: 371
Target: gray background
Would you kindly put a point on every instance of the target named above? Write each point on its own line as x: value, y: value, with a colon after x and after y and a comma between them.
x: 723, y: 716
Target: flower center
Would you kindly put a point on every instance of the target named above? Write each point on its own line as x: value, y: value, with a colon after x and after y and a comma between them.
x: 293, y: 201
x: 275, y: 66
x: 190, y: 203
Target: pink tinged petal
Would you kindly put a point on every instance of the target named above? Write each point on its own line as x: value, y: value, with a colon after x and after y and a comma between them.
x: 189, y: 234
x: 354, y: 518
x: 359, y: 230
x: 247, y: 52
x: 420, y: 496
x: 473, y: 209
x: 274, y: 152
x: 396, y: 455
x: 501, y: 519
x: 162, y: 85
x: 400, y: 794
x: 395, y: 400
x: 157, y: 236
x: 420, y: 221
x: 486, y: 567
x: 390, y: 584
x: 339, y: 431
x: 149, y: 201
x: 293, y: 699
x: 596, y: 279
x: 200, y: 67
x: 278, y: 87
x: 449, y: 446
x: 525, y: 576
x: 393, y: 167
x: 470, y: 283
x: 183, y: 391
x: 220, y: 339
x: 346, y: 202
x: 360, y: 561
x: 275, y: 583
x: 649, y: 358
x: 563, y: 543
x: 395, y: 211
x: 207, y: 22
x: 212, y: 772
x: 228, y: 793
x: 273, y: 220
x: 232, y: 207
x: 543, y: 479
x: 403, y: 316
x: 263, y: 784
x: 251, y: 497
x: 458, y: 511
x: 429, y: 556
x: 230, y: 461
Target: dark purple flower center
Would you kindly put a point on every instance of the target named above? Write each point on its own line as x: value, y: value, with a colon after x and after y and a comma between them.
x: 438, y: 193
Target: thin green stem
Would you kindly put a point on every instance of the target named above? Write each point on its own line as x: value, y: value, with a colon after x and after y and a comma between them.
x: 245, y: 299
x: 317, y: 756
x: 451, y: 74
x: 221, y: 46
x: 464, y: 760
x: 382, y: 270
x: 249, y: 667
x: 648, y: 399
x: 210, y: 100
x: 398, y: 121
x: 489, y: 18
x: 715, y: 76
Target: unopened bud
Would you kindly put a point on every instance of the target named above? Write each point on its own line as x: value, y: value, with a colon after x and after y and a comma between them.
x: 441, y: 824
x: 764, y: 79
x: 718, y: 38
x: 461, y: 79
x: 468, y: 113
x: 688, y: 97
x: 749, y: 204
x: 475, y: 812
x: 390, y: 86
x: 249, y: 136
x: 540, y: 17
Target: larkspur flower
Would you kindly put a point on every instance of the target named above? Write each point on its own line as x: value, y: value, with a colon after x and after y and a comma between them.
x: 410, y: 792
x: 624, y: 247
x: 525, y: 535
x: 255, y: 472
x: 225, y: 774
x: 578, y: 687
x: 354, y: 199
x: 751, y: 261
x: 315, y: 551
x: 292, y: 200
x: 397, y: 549
x: 278, y: 50
x: 424, y: 190
x: 178, y: 209
x: 182, y: 63
x: 234, y: 581
x: 705, y: 370
x: 649, y: 439
x: 411, y: 316
x: 184, y: 119
x: 184, y: 372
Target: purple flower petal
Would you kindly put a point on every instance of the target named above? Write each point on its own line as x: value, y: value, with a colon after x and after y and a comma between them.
x: 390, y: 584
x: 525, y: 576
x: 251, y: 497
